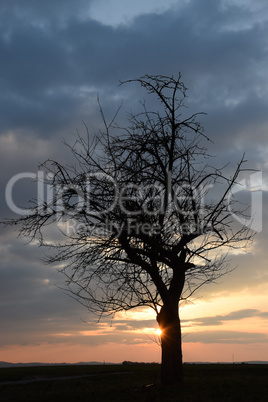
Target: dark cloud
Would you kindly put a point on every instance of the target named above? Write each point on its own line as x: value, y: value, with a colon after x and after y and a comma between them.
x: 55, y: 60
x: 44, y: 71
x: 236, y: 337
x: 221, y: 319
x: 38, y: 12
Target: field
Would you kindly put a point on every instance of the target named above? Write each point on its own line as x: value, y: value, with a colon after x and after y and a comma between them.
x: 127, y: 383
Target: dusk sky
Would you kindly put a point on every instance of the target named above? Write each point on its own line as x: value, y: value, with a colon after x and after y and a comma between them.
x: 56, y: 58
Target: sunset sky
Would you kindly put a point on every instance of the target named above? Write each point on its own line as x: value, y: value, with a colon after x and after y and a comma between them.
x: 56, y: 57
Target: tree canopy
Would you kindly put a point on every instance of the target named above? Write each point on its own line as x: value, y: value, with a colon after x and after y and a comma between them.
x: 146, y: 217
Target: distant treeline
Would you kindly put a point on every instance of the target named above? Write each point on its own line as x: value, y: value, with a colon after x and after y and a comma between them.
x: 126, y: 362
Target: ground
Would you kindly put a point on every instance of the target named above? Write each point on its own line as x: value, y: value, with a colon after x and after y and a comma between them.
x: 203, y: 382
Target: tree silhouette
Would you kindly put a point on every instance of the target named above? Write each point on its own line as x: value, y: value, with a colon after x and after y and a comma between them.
x: 144, y: 230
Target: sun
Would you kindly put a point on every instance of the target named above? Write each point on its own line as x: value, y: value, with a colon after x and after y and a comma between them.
x: 158, y: 331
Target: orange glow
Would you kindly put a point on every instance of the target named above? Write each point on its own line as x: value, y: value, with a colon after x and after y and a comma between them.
x: 203, y: 328
x: 72, y: 353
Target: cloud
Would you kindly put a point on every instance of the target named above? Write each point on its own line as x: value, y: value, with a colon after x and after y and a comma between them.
x: 55, y: 59
x: 40, y: 13
x: 134, y: 325
x: 221, y: 319
x: 219, y: 66
x: 226, y: 337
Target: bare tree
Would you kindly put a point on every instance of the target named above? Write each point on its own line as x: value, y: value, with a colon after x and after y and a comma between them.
x: 146, y: 229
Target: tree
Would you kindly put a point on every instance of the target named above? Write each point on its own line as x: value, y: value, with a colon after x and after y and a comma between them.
x: 145, y: 230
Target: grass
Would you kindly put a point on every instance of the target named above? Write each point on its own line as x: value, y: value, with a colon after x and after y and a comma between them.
x: 206, y: 382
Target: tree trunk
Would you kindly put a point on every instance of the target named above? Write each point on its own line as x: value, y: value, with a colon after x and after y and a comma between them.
x: 171, y: 366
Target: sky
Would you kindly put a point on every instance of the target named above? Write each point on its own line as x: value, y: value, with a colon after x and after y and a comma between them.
x: 57, y: 57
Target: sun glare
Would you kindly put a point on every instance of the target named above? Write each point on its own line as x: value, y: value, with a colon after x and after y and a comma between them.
x: 158, y: 331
